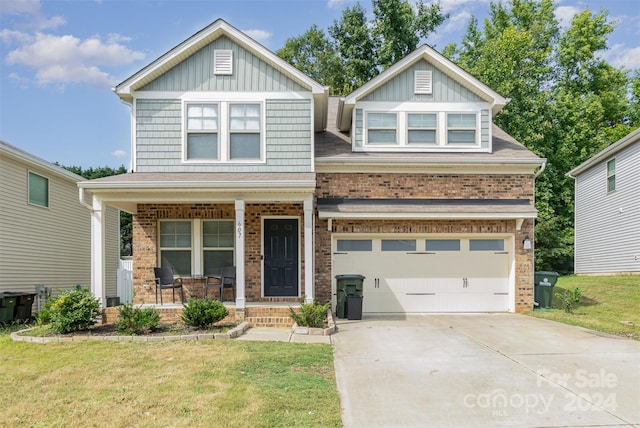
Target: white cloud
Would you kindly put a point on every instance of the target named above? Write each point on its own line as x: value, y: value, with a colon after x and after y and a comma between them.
x: 14, y: 7
x: 258, y: 35
x: 68, y: 59
x: 454, y: 7
x: 564, y: 15
x: 457, y: 22
x: 119, y: 153
x: 621, y: 56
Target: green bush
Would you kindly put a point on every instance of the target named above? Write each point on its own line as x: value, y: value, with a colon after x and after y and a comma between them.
x: 311, y: 315
x: 569, y: 298
x: 136, y: 320
x: 202, y: 313
x: 70, y: 311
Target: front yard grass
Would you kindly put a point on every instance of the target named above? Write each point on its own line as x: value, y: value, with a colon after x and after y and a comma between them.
x: 609, y: 304
x: 223, y: 383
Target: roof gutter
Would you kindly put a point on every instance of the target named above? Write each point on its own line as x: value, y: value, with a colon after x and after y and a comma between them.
x: 81, y: 194
x: 542, y: 168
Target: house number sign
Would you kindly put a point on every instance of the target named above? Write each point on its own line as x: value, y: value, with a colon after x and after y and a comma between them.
x: 239, y: 229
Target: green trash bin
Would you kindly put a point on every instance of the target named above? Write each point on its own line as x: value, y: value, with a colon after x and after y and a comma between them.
x: 7, y: 307
x: 544, y: 282
x: 24, y: 305
x: 347, y: 285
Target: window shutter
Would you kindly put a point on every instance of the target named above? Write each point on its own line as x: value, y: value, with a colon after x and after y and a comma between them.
x: 422, y: 82
x: 222, y: 61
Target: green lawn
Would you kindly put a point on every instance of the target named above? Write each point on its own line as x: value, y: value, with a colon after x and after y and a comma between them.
x: 610, y: 304
x: 223, y: 383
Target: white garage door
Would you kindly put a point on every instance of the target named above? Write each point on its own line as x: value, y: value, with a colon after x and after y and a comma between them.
x: 419, y: 275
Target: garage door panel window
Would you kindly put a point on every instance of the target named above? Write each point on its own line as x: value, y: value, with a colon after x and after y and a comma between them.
x: 355, y: 245
x: 442, y: 245
x: 486, y: 245
x: 398, y: 245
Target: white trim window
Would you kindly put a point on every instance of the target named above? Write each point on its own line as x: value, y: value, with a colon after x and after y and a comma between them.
x: 462, y: 128
x: 175, y: 245
x: 201, y: 138
x: 245, y: 132
x: 422, y: 128
x: 382, y: 128
x: 217, y: 245
x: 611, y: 175
x: 38, y: 190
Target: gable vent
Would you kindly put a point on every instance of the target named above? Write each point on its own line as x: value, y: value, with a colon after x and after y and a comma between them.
x: 222, y: 61
x: 422, y: 83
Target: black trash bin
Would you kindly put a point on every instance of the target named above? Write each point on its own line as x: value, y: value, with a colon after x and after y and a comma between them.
x: 23, y: 306
x: 347, y: 285
x: 354, y: 307
x: 544, y: 282
x: 7, y: 308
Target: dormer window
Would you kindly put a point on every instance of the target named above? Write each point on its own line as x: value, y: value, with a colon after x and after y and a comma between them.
x: 461, y: 128
x: 382, y: 128
x: 422, y: 128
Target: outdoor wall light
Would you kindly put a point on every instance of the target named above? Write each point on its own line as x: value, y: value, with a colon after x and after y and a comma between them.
x: 526, y: 244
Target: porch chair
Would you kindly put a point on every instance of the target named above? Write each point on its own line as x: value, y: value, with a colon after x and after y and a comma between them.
x: 165, y: 280
x: 227, y: 279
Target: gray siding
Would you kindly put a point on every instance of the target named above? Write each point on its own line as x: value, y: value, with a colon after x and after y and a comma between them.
x: 607, y: 229
x: 359, y: 128
x: 50, y: 246
x: 485, y: 126
x: 250, y: 73
x: 401, y: 88
x: 288, y: 130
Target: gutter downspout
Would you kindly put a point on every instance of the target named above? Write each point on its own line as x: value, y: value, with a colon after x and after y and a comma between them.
x: 544, y: 165
x: 82, y: 201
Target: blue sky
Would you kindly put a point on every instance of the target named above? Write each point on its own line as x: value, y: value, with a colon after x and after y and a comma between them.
x: 59, y: 59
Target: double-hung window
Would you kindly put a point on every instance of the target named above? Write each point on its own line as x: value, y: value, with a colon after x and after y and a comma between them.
x: 175, y: 246
x: 382, y: 128
x: 422, y: 128
x: 244, y: 131
x: 461, y: 128
x: 38, y: 190
x: 202, y: 132
x: 611, y: 175
x: 217, y: 245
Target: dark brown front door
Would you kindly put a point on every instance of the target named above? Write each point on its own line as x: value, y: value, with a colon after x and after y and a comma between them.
x: 280, y: 257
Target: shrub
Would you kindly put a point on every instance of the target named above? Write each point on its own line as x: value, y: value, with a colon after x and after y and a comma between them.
x: 202, y: 313
x: 569, y: 298
x: 136, y: 320
x: 71, y: 311
x: 311, y: 314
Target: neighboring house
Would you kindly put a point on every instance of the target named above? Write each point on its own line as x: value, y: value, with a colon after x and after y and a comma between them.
x: 607, y: 209
x: 45, y: 232
x: 239, y: 158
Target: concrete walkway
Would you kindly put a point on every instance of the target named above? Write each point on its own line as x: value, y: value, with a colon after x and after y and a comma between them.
x: 282, y: 335
x: 490, y: 370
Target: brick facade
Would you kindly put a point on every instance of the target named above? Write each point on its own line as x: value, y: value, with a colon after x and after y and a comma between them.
x: 436, y: 186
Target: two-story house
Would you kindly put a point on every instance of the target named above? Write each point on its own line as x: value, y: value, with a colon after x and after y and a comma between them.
x: 239, y: 158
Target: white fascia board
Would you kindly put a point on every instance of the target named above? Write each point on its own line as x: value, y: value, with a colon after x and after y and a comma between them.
x: 412, y: 162
x: 129, y: 200
x: 220, y: 96
x: 624, y: 142
x: 199, y: 40
x: 162, y: 186
x: 32, y: 160
x: 426, y: 216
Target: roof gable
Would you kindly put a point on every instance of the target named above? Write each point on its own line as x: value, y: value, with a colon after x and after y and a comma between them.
x: 624, y: 142
x: 198, y: 41
x: 13, y: 152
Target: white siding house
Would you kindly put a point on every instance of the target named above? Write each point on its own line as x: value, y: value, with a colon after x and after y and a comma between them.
x: 45, y: 232
x: 607, y: 209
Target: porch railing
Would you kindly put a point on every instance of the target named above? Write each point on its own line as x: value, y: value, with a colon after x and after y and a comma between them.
x: 125, y: 281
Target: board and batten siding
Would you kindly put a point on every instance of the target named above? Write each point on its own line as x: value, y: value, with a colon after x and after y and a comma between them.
x: 50, y: 246
x: 250, y: 73
x: 607, y: 225
x: 288, y: 133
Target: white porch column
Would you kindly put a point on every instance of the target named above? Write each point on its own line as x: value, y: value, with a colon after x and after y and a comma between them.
x: 309, y: 269
x: 97, y: 251
x: 240, y: 295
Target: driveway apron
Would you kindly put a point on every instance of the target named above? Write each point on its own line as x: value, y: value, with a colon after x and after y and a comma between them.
x: 488, y: 370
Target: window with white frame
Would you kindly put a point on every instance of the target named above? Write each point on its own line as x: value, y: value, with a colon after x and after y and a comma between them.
x: 611, y: 175
x: 382, y: 128
x: 461, y: 128
x: 202, y: 132
x: 38, y: 190
x: 176, y: 246
x: 422, y: 128
x: 244, y: 131
x: 217, y: 245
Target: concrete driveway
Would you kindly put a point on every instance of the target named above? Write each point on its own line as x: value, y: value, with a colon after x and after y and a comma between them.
x: 490, y: 370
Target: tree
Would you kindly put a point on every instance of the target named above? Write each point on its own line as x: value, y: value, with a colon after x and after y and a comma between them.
x: 360, y: 49
x: 126, y: 221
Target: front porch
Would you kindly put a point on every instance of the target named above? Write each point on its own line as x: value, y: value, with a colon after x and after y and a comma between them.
x: 257, y: 314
